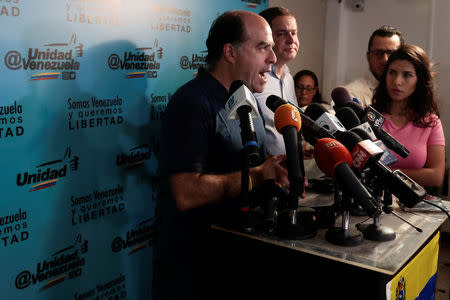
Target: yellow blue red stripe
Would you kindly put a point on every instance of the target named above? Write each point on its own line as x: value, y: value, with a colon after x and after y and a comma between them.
x: 44, y: 76
x: 43, y: 185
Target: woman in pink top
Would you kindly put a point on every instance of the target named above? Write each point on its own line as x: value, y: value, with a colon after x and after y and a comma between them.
x: 405, y: 96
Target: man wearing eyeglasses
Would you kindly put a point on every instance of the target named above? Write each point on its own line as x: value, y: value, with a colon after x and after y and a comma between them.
x: 279, y: 80
x: 382, y: 43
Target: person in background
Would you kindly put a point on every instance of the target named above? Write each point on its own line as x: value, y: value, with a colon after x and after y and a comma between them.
x: 307, y: 88
x: 279, y: 78
x: 307, y: 92
x: 201, y: 154
x: 405, y: 95
x: 382, y: 43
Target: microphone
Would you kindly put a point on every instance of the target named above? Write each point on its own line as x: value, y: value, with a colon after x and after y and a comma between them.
x: 368, y: 114
x: 347, y: 117
x: 318, y: 113
x: 364, y: 152
x: 351, y: 121
x: 340, y: 96
x: 241, y: 105
x: 311, y: 129
x: 288, y: 122
x: 388, y: 158
x: 366, y: 155
x: 334, y: 160
x: 376, y: 120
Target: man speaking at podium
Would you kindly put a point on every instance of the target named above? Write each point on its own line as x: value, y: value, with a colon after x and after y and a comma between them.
x: 202, y: 156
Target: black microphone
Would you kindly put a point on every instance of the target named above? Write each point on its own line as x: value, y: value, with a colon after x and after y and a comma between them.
x: 319, y: 114
x: 311, y: 129
x: 242, y: 105
x: 375, y: 119
x: 350, y: 120
x: 288, y: 122
x: 340, y: 96
x: 368, y: 114
x: 347, y: 117
x: 366, y: 155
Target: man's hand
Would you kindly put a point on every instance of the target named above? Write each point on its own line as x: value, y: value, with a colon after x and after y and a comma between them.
x: 308, y: 150
x: 272, y: 168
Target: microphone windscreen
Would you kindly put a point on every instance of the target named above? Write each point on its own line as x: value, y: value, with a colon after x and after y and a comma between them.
x: 358, y: 109
x: 287, y: 115
x: 341, y: 95
x: 349, y: 139
x: 273, y: 102
x: 330, y: 153
x: 235, y: 85
x: 315, y: 110
x: 362, y: 133
x: 348, y: 117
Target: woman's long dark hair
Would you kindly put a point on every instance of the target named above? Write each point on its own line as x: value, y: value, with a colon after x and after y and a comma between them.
x: 423, y: 101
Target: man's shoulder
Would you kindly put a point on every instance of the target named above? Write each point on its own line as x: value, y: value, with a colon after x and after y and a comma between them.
x: 194, y: 90
x: 368, y: 80
x: 356, y: 83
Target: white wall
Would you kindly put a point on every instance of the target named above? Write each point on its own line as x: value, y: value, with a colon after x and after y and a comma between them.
x: 441, y: 55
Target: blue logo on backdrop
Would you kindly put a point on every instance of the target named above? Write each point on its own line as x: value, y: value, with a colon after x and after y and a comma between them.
x: 136, y: 157
x: 194, y: 62
x: 53, y: 60
x: 136, y: 239
x: 144, y: 59
x: 64, y: 264
x: 48, y: 174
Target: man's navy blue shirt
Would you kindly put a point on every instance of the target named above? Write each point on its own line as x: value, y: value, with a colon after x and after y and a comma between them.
x: 199, y: 136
